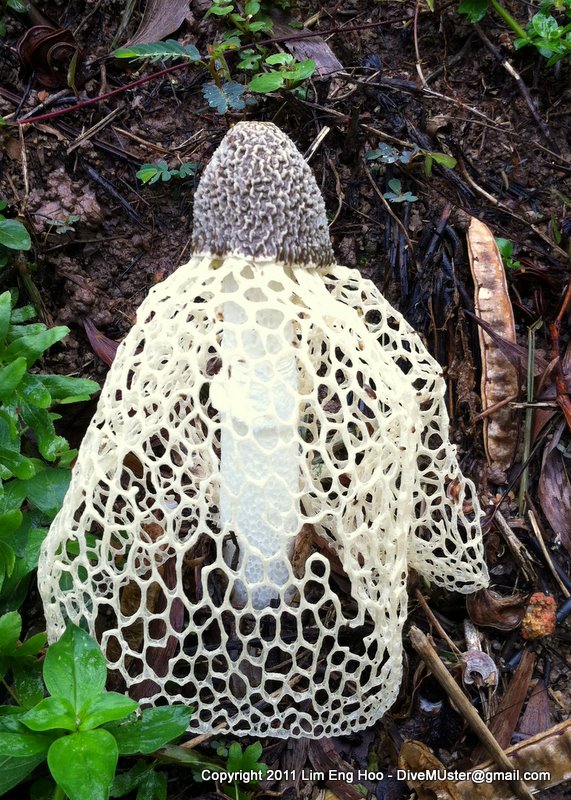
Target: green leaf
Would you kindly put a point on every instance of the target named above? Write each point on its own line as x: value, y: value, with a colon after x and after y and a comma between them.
x: 32, y: 646
x: 68, y: 390
x: 153, y: 729
x: 154, y: 788
x: 229, y: 95
x: 23, y: 745
x: 475, y: 10
x: 10, y: 629
x: 83, y: 764
x: 159, y: 51
x: 18, y: 465
x: 384, y: 152
x: 51, y: 713
x: 18, y: 6
x: 220, y: 11
x: 505, y: 247
x: 74, y: 668
x: 280, y: 58
x: 32, y: 347
x: 14, y: 235
x: 150, y: 173
x: 47, y: 488
x: 251, y: 8
x: 266, y: 82
x: 5, y: 313
x: 7, y: 561
x: 14, y: 770
x: 34, y: 392
x: 28, y: 684
x: 10, y: 377
x: 301, y: 70
x: 443, y: 158
x: 106, y: 707
x: 40, y: 421
x: 128, y: 781
x: 23, y: 314
x: 10, y: 521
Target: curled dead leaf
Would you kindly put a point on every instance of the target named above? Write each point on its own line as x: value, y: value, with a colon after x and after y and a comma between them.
x: 102, y: 346
x: 50, y: 53
x: 489, y: 609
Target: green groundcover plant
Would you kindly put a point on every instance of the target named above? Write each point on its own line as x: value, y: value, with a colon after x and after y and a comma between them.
x: 34, y: 459
x: 79, y: 729
x: 547, y: 33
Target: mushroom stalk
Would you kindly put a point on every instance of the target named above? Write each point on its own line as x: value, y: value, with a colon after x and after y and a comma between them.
x: 256, y: 393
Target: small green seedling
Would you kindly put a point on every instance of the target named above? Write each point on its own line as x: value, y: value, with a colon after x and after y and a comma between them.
x: 252, y: 21
x: 159, y: 171
x: 61, y: 226
x: 396, y: 195
x: 550, y: 38
x: 288, y: 75
x: 506, y: 249
x: 390, y: 155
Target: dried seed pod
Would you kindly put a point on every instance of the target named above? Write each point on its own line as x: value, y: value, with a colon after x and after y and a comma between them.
x: 499, y: 376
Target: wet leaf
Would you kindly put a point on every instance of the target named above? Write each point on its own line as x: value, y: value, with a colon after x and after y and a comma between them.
x: 554, y: 490
x: 160, y: 18
x: 489, y: 609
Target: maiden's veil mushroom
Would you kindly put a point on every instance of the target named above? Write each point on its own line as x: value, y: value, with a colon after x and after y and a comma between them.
x: 269, y: 451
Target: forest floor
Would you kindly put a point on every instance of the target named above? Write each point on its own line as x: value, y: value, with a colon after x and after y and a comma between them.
x: 410, y: 83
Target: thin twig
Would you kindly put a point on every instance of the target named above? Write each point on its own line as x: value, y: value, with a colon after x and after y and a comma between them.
x: 24, y: 155
x: 430, y: 657
x: 436, y: 624
x: 544, y: 550
x: 94, y: 129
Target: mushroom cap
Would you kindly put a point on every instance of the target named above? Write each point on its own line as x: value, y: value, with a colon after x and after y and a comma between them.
x: 258, y: 198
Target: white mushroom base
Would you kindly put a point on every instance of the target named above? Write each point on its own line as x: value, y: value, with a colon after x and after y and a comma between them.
x: 141, y: 551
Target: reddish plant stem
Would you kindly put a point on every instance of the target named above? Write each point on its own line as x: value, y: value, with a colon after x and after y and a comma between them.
x: 167, y: 70
x: 99, y: 98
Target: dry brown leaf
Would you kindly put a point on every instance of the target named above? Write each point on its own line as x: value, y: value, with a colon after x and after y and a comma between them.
x: 554, y: 490
x: 489, y: 609
x: 499, y: 376
x: 504, y: 721
x: 416, y: 757
x: 548, y: 752
x: 547, y: 390
x: 316, y: 48
x: 102, y: 346
x: 324, y: 757
x: 537, y: 715
x: 161, y: 18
